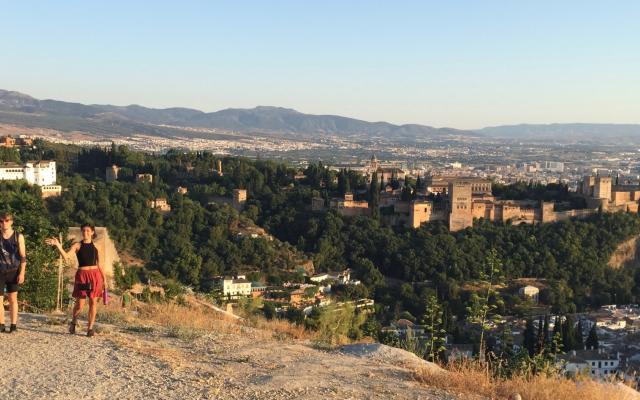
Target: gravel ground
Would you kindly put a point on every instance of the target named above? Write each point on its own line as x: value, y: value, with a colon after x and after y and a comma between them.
x: 43, y: 361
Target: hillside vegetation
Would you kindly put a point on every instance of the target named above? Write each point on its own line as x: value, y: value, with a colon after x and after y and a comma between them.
x: 425, y: 274
x: 197, y: 239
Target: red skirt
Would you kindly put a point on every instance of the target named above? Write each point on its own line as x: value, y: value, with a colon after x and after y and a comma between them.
x: 92, y: 276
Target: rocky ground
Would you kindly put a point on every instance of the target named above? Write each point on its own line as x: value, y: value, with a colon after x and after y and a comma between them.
x: 42, y: 361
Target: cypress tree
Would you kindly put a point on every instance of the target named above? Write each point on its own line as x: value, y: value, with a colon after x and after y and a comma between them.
x: 545, y: 332
x: 557, y: 326
x: 114, y: 153
x: 592, y: 339
x: 347, y: 183
x: 344, y: 186
x: 568, y: 334
x: 540, y: 336
x: 406, y: 193
x: 374, y: 196
x: 578, y: 338
x: 529, y: 337
x: 506, y: 340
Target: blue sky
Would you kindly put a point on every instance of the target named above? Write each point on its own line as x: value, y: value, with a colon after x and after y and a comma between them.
x: 464, y: 64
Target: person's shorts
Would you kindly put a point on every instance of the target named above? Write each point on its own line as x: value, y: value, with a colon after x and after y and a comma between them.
x: 9, y: 279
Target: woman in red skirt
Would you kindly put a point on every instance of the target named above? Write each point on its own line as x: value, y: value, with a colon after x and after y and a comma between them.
x: 90, y: 280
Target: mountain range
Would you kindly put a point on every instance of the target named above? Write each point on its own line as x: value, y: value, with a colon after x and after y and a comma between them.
x: 16, y: 107
x: 108, y: 120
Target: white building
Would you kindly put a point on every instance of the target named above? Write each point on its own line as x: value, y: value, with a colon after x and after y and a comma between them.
x: 529, y: 292
x: 42, y: 173
x: 235, y: 288
x: 50, y: 191
x: 595, y: 363
x: 319, y: 277
x: 343, y: 277
x: 554, y: 166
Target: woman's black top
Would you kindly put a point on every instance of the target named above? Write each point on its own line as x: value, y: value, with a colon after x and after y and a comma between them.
x: 87, y: 255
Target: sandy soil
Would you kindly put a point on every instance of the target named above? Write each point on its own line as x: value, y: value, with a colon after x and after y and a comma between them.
x: 43, y: 361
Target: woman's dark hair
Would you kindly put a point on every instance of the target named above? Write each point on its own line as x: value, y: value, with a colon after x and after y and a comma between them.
x: 90, y: 226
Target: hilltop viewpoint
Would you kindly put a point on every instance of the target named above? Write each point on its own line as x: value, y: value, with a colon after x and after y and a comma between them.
x: 189, y: 350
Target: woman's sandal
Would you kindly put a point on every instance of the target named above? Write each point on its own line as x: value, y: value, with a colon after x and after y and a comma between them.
x: 90, y: 333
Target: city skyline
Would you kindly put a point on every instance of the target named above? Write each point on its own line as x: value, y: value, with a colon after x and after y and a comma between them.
x: 466, y: 66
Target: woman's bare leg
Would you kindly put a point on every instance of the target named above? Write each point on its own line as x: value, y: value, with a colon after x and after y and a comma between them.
x: 93, y: 310
x: 77, y: 308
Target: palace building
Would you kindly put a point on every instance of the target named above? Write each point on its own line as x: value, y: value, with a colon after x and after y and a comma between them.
x: 458, y: 201
x: 604, y: 193
x: 35, y: 173
x: 41, y: 173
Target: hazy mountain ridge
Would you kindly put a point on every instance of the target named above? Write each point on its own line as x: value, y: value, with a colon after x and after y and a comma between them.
x: 563, y: 131
x: 261, y: 119
x: 21, y: 109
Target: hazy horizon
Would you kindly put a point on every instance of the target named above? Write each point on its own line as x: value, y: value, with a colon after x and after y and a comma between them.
x: 311, y: 113
x: 465, y: 65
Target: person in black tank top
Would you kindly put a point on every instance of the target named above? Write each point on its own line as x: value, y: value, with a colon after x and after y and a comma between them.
x: 90, y: 281
x: 13, y: 263
x: 87, y: 255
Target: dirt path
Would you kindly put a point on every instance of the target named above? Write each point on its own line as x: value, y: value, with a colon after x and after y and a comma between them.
x: 43, y: 361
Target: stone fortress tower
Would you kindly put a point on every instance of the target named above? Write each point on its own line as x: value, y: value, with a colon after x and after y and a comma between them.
x: 239, y: 198
x: 219, y: 167
x: 460, y: 212
x: 602, y: 188
x: 111, y: 173
x: 601, y: 193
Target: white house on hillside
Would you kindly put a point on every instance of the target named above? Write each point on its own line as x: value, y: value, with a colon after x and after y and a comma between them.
x: 319, y: 277
x: 40, y: 173
x: 235, y: 288
x: 596, y: 363
x: 529, y: 292
x: 343, y: 277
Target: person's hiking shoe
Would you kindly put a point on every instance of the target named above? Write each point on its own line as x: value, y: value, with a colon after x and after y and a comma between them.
x: 90, y: 333
x: 13, y: 328
x: 72, y: 328
x: 2, y: 330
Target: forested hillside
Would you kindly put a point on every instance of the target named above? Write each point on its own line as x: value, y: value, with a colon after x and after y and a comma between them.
x: 400, y: 267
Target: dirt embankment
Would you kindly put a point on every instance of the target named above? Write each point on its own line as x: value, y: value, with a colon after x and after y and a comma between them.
x: 627, y: 254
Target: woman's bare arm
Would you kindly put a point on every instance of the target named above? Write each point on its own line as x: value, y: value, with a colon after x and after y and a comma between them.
x: 101, y: 268
x: 65, y: 254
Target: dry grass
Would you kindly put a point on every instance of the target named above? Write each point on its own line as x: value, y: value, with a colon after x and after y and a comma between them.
x: 195, y: 317
x: 191, y: 321
x: 281, y: 329
x: 110, y: 314
x: 177, y: 317
x: 472, y: 381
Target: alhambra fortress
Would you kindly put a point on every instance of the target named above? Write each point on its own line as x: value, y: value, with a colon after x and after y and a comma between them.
x: 457, y: 201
